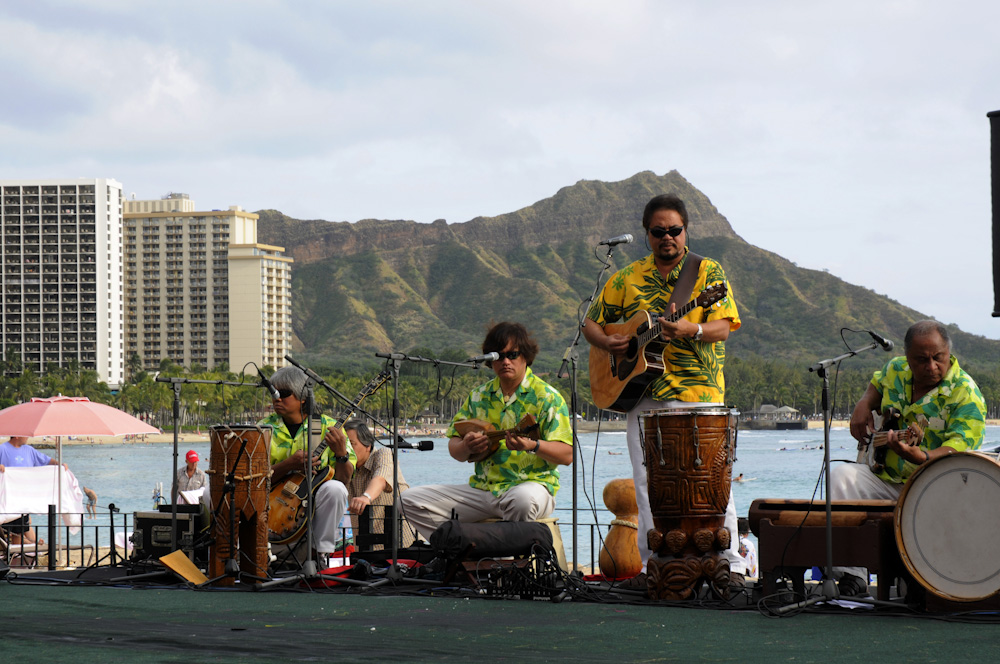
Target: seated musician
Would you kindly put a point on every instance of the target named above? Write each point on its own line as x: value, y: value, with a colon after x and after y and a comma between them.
x: 518, y: 481
x: 372, y: 483
x: 288, y: 442
x: 925, y: 385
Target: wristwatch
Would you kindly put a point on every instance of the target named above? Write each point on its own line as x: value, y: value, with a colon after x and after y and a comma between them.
x: 365, y: 494
x: 342, y: 459
x: 697, y: 335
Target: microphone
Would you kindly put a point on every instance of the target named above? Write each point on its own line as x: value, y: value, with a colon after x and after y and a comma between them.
x: 621, y: 239
x: 423, y: 445
x: 886, y: 344
x: 266, y: 384
x: 488, y: 357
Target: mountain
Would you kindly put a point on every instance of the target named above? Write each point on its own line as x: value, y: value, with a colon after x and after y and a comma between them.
x: 379, y: 285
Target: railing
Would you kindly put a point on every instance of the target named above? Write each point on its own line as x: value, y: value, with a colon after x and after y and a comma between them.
x: 56, y: 546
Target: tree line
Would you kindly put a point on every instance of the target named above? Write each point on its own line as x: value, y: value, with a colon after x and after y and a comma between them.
x: 431, y: 391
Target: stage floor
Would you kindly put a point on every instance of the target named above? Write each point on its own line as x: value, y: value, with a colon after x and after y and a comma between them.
x: 55, y: 617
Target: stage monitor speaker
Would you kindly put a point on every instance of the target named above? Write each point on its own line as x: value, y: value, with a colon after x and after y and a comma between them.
x: 152, y: 536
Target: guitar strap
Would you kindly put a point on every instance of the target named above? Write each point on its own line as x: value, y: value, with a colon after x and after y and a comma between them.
x: 685, y: 281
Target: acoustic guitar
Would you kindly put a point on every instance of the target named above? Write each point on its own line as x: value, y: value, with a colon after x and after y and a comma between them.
x: 527, y: 428
x: 288, y: 501
x: 617, y: 382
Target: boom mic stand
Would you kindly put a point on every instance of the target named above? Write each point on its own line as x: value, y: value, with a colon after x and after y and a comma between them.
x: 175, y: 384
x: 394, y: 574
x: 571, y: 356
x: 830, y: 590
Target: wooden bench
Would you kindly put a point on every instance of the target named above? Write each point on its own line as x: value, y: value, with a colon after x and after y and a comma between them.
x: 792, y: 536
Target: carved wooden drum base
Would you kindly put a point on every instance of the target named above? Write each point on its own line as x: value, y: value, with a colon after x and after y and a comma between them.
x: 680, y: 577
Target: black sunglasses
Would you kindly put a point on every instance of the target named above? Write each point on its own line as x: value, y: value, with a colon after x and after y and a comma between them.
x: 510, y: 355
x: 660, y: 232
x: 284, y: 394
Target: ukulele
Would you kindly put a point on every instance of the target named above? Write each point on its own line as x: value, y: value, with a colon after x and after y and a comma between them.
x: 527, y: 427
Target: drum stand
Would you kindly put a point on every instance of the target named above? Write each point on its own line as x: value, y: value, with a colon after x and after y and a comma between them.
x: 830, y: 591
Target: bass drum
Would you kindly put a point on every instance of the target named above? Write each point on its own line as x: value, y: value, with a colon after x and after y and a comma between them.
x: 948, y: 526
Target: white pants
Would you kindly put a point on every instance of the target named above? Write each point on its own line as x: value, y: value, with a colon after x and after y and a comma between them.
x: 427, y: 507
x: 331, y: 503
x: 856, y: 481
x: 634, y: 436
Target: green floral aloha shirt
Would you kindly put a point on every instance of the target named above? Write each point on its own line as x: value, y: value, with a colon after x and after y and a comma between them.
x: 284, y: 446
x: 693, y: 368
x: 955, y: 412
x: 507, y: 468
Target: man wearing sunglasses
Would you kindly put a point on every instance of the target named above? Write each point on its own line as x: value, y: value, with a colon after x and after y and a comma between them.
x: 289, y: 439
x: 695, y: 352
x: 519, y: 481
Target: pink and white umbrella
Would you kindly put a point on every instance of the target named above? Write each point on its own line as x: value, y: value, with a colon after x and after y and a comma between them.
x: 68, y: 416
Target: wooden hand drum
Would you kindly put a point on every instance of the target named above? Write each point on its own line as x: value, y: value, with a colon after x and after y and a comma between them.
x: 620, y: 557
x: 689, y: 456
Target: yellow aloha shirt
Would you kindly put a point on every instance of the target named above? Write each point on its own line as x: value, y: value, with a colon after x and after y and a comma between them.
x: 283, y: 445
x: 507, y: 468
x: 693, y: 368
x: 955, y: 412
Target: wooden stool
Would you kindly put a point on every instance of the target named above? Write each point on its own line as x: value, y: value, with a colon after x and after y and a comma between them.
x: 792, y: 536
x: 557, y: 540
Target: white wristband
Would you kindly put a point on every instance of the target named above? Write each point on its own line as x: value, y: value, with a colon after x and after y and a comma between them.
x: 365, y: 494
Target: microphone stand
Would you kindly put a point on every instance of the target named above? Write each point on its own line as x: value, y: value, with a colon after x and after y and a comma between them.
x: 394, y: 574
x: 571, y: 356
x: 175, y: 384
x: 829, y: 588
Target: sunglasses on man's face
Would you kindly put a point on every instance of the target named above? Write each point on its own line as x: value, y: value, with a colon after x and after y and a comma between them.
x: 284, y: 394
x: 660, y: 232
x: 510, y: 355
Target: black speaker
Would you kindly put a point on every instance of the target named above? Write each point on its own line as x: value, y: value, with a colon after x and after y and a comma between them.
x: 152, y: 536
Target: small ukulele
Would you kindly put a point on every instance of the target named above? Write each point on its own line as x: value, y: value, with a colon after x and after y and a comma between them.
x: 527, y: 427
x: 872, y: 451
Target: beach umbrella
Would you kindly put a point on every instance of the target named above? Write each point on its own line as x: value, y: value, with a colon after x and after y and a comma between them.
x: 68, y: 416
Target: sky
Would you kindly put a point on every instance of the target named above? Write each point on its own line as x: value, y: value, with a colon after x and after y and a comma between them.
x: 849, y: 136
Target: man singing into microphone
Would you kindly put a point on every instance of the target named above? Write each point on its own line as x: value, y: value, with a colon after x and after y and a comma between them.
x: 695, y: 351
x: 940, y: 406
x: 518, y: 482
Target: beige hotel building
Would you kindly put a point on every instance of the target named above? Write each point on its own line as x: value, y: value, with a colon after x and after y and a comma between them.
x: 199, y: 288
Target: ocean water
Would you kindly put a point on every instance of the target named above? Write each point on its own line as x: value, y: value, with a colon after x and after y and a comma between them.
x: 775, y: 464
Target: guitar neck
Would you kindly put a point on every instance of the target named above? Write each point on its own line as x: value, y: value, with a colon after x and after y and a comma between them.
x: 654, y: 329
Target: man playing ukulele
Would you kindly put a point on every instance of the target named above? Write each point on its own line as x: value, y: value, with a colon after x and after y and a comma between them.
x: 925, y: 385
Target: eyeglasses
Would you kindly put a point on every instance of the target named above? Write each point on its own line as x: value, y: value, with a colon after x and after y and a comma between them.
x: 510, y: 355
x: 660, y: 232
x: 284, y: 394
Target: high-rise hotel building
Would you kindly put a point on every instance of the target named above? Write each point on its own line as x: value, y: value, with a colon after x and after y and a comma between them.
x: 61, y: 274
x: 200, y: 290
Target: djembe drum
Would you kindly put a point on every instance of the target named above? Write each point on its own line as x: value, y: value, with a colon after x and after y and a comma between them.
x: 240, y: 527
x: 689, y: 456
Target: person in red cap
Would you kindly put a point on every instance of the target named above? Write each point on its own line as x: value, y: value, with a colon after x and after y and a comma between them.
x: 190, y: 477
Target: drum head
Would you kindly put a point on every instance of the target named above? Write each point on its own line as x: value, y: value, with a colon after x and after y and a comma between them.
x: 948, y: 528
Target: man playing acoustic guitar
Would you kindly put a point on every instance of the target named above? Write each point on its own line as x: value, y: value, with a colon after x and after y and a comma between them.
x: 926, y: 385
x: 518, y: 480
x: 288, y: 442
x: 694, y: 350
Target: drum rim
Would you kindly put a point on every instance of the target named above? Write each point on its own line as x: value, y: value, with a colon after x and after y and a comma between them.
x: 898, y: 525
x: 694, y: 410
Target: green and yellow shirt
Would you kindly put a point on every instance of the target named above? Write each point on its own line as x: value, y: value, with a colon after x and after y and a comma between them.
x: 507, y: 468
x: 955, y: 412
x: 693, y: 368
x: 284, y: 445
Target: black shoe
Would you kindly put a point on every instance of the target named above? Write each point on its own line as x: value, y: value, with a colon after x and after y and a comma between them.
x: 852, y: 586
x: 737, y: 580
